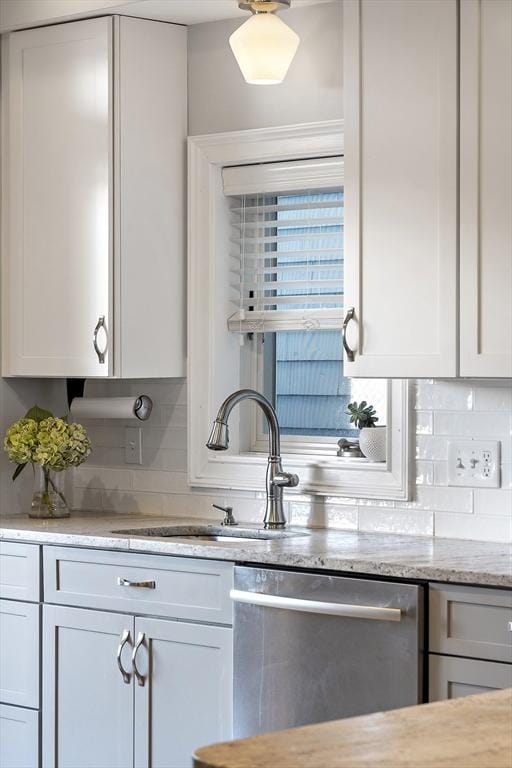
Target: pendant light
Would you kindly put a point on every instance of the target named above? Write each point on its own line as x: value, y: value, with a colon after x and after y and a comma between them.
x: 264, y: 46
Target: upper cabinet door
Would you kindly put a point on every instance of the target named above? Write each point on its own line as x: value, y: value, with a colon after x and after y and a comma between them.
x: 486, y: 188
x: 57, y: 237
x: 400, y: 82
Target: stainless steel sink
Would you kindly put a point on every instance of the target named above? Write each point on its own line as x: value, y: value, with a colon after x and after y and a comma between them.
x: 211, y: 533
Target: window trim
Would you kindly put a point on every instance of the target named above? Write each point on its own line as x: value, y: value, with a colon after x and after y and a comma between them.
x: 213, y: 364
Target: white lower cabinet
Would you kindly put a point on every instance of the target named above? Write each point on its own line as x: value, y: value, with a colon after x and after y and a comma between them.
x: 19, y: 656
x: 87, y: 707
x: 123, y: 690
x: 186, y: 699
x: 19, y: 737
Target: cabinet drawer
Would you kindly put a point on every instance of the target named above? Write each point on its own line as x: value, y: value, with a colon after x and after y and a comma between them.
x: 471, y: 621
x: 19, y: 653
x: 19, y: 571
x: 451, y: 678
x: 176, y: 587
x: 19, y: 737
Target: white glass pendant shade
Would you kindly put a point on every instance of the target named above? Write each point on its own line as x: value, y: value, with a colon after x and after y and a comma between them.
x: 264, y: 47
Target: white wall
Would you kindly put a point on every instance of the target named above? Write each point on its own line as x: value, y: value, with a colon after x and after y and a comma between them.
x: 220, y: 100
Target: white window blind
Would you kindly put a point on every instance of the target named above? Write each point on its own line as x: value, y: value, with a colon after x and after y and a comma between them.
x: 287, y: 251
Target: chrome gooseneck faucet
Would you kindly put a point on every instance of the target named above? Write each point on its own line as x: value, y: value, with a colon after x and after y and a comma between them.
x: 277, y: 479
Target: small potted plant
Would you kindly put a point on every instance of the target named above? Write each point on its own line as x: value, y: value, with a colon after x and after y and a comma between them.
x: 51, y: 445
x: 372, y: 439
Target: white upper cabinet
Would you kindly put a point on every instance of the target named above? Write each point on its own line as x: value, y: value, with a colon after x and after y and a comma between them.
x: 486, y: 188
x: 94, y: 119
x: 400, y: 81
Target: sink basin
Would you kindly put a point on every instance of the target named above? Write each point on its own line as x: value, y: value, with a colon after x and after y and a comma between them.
x: 211, y: 533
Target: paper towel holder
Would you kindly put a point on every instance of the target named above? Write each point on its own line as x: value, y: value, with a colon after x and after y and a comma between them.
x: 143, y: 407
x: 138, y: 407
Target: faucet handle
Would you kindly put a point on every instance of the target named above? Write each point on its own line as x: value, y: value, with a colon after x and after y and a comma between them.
x: 286, y: 480
x: 228, y: 518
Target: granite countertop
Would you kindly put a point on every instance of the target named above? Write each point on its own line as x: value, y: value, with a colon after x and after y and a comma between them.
x: 470, y: 732
x: 376, y: 554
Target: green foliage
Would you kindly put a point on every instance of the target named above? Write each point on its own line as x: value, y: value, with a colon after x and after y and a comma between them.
x: 37, y: 414
x: 362, y: 415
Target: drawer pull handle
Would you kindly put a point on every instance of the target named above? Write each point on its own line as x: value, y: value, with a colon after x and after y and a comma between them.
x: 140, y: 678
x: 510, y: 626
x: 125, y: 638
x: 140, y: 584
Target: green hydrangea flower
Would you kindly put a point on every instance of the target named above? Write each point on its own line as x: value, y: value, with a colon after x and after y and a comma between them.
x: 20, y: 441
x: 50, y: 442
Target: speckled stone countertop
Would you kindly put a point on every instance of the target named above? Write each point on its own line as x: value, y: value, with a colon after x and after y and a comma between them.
x: 470, y: 732
x: 375, y: 554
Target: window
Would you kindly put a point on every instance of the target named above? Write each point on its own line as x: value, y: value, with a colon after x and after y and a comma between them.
x: 280, y: 338
x: 288, y: 263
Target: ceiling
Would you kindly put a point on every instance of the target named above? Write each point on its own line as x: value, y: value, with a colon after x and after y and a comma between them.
x: 192, y: 11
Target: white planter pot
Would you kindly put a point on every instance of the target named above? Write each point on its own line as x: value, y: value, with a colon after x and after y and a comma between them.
x: 372, y: 442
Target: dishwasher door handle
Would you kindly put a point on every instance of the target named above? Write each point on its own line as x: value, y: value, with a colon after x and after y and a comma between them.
x: 315, y: 606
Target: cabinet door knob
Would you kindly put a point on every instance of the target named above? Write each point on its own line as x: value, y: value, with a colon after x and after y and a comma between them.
x: 140, y: 678
x: 101, y: 353
x: 348, y: 317
x: 125, y: 638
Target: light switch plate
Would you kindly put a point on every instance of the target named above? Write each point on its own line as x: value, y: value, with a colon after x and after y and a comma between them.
x: 133, y: 445
x: 474, y: 463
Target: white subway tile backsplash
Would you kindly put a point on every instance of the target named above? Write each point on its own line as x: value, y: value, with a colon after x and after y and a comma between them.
x: 161, y: 482
x: 413, y: 523
x: 443, y: 395
x: 443, y: 410
x: 172, y: 438
x: 165, y: 459
x: 494, y: 398
x: 132, y: 501
x: 493, y: 501
x: 442, y: 499
x: 88, y: 476
x: 480, y: 527
x: 424, y: 473
x: 440, y: 472
x: 431, y: 448
x: 424, y: 422
x: 473, y: 424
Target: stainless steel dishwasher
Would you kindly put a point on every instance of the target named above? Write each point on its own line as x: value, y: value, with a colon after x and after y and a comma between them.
x: 314, y: 647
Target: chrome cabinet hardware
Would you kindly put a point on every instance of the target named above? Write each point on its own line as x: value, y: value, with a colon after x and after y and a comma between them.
x: 510, y: 626
x: 348, y: 317
x: 125, y: 638
x: 315, y: 606
x: 140, y: 678
x: 228, y: 517
x: 101, y: 353
x: 139, y: 584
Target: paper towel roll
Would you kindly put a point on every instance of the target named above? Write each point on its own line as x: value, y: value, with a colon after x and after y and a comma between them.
x: 112, y: 407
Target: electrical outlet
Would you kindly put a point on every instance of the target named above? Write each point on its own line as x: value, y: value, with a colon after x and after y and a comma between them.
x: 474, y: 463
x: 133, y: 445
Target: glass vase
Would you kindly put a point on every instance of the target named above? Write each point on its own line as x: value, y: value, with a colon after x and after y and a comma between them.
x: 48, y: 500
